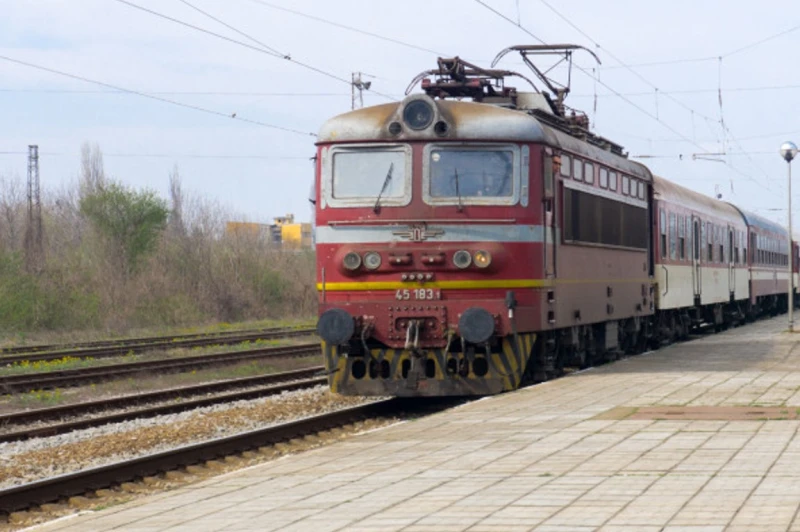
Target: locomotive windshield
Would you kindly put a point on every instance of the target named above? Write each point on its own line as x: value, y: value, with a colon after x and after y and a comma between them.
x: 464, y: 174
x: 363, y: 174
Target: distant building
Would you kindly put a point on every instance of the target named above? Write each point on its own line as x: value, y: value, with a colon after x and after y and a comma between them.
x: 282, y: 232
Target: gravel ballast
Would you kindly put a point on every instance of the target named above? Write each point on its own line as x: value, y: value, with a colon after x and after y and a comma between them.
x: 26, y: 461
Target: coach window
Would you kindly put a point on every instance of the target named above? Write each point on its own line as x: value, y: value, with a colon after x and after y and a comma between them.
x: 701, y: 246
x: 723, y: 248
x: 603, y: 178
x: 673, y: 244
x: 663, y: 226
x: 642, y: 190
x: 588, y: 173
x: 710, y: 242
x: 758, y: 249
x: 612, y: 181
x: 744, y: 247
x: 681, y: 238
x: 577, y: 169
x: 566, y: 166
x: 626, y: 184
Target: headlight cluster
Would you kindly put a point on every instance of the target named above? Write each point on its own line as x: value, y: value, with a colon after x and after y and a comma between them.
x: 463, y: 259
x: 371, y: 261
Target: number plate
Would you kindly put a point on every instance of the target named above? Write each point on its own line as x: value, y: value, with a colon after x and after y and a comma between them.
x: 417, y: 294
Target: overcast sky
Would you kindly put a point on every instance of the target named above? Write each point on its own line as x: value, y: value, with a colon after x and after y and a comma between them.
x: 261, y: 172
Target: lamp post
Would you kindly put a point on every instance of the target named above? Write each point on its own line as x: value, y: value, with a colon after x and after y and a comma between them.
x: 788, y: 152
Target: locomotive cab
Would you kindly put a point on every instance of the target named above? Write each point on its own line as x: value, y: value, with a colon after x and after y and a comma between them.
x: 427, y: 239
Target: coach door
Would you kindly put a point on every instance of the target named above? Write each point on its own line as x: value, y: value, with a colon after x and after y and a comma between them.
x: 731, y: 265
x: 696, y: 250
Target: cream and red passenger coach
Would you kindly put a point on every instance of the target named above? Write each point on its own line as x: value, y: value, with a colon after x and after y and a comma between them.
x: 464, y: 247
x: 701, y: 267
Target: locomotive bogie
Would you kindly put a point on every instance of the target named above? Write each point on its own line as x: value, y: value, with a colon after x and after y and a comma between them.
x: 457, y: 369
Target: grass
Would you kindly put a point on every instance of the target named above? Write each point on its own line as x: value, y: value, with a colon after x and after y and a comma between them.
x: 147, y: 383
x: 46, y: 366
x: 68, y: 362
x: 60, y: 337
x: 41, y: 398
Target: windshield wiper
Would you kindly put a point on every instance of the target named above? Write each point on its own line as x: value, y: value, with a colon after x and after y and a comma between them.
x: 377, y: 207
x: 458, y: 191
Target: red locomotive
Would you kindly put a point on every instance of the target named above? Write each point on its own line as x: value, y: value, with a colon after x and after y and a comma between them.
x: 466, y: 247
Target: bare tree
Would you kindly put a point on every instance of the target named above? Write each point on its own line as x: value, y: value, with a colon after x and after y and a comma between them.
x: 93, y: 175
x: 176, y: 225
x: 11, y: 204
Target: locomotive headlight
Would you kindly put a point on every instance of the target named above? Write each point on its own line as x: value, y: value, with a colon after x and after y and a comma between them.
x: 352, y: 261
x: 462, y: 259
x: 418, y: 114
x: 372, y: 260
x: 482, y: 259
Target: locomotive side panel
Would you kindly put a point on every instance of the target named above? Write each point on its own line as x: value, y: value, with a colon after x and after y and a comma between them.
x: 602, y: 270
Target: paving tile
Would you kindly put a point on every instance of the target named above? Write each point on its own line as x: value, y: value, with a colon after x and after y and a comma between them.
x: 564, y: 455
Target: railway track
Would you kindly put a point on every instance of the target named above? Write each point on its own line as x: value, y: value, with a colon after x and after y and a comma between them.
x: 135, y: 340
x: 108, y: 350
x: 57, y: 488
x: 257, y: 387
x: 74, y: 377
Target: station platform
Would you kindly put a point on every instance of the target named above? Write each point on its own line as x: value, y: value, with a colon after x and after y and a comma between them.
x: 698, y: 436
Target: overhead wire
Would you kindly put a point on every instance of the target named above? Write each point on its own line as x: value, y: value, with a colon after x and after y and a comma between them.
x: 698, y: 91
x: 622, y: 63
x: 325, y: 94
x: 171, y: 155
x: 240, y: 32
x: 608, y: 87
x: 762, y: 41
x: 346, y: 27
x: 269, y: 52
x: 678, y: 102
x: 663, y: 63
x: 155, y: 97
x: 182, y: 93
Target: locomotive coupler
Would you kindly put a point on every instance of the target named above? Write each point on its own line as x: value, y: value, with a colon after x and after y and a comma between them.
x: 417, y: 370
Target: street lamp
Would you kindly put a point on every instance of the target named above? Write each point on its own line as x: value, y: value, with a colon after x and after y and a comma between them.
x: 788, y: 152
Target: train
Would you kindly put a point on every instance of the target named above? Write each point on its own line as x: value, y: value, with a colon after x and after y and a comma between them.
x: 473, y: 238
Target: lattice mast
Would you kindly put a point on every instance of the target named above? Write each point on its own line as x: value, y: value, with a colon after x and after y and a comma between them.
x: 357, y: 88
x: 34, y: 246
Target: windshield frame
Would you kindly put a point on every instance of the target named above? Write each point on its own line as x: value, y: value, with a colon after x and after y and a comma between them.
x: 513, y: 199
x: 326, y: 185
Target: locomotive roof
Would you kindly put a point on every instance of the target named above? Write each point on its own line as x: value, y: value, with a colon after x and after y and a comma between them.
x: 467, y: 121
x: 665, y: 190
x: 752, y: 219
